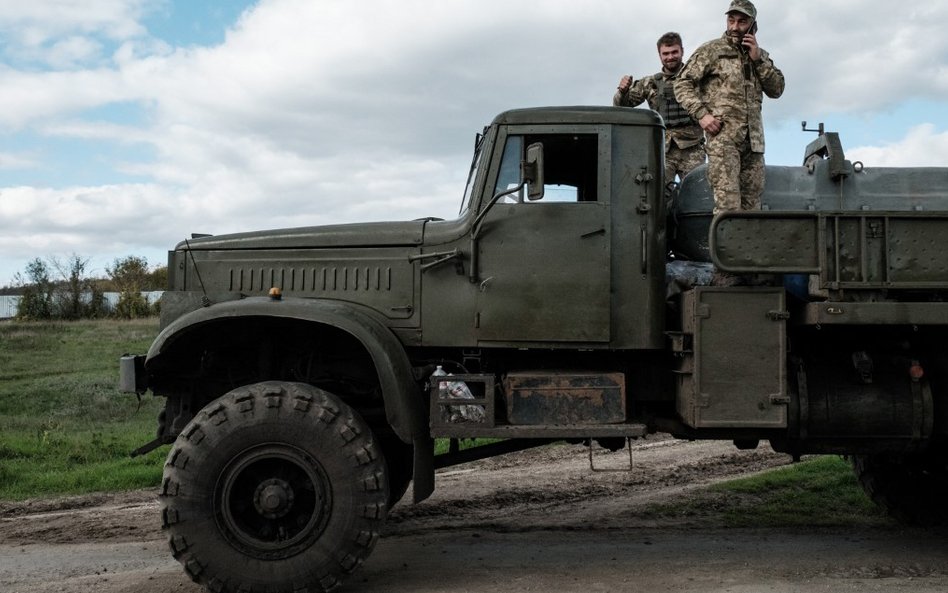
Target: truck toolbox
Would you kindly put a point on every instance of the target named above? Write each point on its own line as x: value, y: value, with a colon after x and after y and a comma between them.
x: 733, y: 374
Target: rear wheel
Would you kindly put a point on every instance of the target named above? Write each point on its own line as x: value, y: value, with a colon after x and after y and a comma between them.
x: 275, y: 487
x: 912, y: 488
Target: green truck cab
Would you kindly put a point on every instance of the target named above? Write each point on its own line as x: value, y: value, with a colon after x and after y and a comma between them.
x: 307, y: 371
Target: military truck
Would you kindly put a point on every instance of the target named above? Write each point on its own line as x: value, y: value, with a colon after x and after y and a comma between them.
x: 306, y: 372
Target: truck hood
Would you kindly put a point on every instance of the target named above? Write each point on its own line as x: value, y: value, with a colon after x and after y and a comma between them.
x: 365, y: 234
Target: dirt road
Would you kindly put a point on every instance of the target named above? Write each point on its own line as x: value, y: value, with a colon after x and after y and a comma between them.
x: 533, y: 521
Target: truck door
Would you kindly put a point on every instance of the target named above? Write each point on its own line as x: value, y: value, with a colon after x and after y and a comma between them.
x: 544, y: 266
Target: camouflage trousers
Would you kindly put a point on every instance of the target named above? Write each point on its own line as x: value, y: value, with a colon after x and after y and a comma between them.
x: 680, y: 161
x: 736, y: 174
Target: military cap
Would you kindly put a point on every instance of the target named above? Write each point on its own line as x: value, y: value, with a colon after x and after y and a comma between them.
x: 744, y: 7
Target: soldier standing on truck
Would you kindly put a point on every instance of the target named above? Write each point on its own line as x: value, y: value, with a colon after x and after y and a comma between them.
x: 721, y: 86
x: 684, y: 138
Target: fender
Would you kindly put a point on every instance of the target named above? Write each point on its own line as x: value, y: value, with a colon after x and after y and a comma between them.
x: 404, y: 410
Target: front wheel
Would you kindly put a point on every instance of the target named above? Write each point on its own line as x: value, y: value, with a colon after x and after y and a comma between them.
x: 274, y: 487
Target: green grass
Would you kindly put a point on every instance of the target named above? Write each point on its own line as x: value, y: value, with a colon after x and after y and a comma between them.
x: 64, y: 427
x: 818, y: 492
x: 442, y: 445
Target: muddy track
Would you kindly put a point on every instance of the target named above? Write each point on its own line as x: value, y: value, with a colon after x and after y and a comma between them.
x: 537, y: 520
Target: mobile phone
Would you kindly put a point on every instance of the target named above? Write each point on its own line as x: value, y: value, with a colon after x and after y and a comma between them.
x: 751, y: 31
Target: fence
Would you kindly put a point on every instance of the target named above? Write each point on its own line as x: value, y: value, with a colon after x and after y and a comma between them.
x: 8, y: 304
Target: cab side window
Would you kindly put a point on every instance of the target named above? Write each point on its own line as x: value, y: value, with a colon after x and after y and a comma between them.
x: 571, y: 165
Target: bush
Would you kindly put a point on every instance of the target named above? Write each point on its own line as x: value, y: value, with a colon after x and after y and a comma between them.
x: 36, y: 301
x: 130, y: 277
x: 132, y: 305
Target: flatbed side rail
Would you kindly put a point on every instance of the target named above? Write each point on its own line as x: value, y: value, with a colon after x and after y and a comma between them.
x: 846, y: 250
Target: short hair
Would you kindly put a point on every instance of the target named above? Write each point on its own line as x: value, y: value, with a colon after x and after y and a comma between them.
x: 670, y: 38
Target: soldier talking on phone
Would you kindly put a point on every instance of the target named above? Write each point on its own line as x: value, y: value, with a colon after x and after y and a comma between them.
x: 722, y: 87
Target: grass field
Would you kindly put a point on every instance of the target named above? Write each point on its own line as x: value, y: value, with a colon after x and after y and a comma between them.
x: 65, y: 429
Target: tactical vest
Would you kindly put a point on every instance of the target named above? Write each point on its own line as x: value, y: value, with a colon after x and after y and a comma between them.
x: 667, y: 106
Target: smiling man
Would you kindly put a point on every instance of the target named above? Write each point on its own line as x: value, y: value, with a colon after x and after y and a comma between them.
x: 722, y: 87
x: 683, y: 136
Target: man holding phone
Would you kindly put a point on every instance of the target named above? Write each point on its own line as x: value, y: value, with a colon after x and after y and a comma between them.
x: 722, y: 87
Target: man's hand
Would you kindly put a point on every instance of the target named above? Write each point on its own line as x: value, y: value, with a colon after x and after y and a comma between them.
x: 750, y: 42
x: 710, y: 124
x: 625, y: 84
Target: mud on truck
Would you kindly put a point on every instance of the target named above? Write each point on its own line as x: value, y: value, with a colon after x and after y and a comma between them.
x: 307, y: 371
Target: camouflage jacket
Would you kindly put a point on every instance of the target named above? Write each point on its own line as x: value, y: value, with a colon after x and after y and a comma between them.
x: 657, y: 89
x: 722, y: 80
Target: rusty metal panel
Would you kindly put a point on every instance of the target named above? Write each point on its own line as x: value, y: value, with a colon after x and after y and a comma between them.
x: 565, y: 398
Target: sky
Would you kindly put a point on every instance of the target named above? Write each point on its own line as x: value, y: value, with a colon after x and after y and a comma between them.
x: 128, y: 125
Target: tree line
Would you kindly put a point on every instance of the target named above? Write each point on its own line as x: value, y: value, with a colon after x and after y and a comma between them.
x: 52, y: 288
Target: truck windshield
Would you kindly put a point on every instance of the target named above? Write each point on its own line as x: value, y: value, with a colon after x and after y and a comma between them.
x: 509, y: 176
x: 472, y: 174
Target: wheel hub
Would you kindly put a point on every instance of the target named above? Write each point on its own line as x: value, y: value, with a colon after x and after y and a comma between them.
x: 273, y: 501
x: 273, y: 498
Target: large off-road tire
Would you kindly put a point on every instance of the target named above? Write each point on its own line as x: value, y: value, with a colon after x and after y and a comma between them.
x: 912, y: 488
x: 276, y: 487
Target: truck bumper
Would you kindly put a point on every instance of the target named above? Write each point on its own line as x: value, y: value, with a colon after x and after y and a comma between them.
x: 132, y: 377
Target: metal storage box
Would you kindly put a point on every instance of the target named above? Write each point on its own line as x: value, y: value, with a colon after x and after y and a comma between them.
x: 732, y: 370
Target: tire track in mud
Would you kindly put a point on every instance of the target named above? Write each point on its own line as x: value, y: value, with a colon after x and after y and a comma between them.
x: 550, y: 487
x: 554, y: 489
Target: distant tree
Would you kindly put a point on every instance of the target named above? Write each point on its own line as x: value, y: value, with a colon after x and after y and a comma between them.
x: 72, y: 296
x: 158, y: 278
x: 36, y: 292
x: 77, y: 296
x: 130, y: 277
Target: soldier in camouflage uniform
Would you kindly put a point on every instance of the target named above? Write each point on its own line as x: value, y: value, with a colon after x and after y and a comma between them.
x: 684, y: 138
x: 721, y: 86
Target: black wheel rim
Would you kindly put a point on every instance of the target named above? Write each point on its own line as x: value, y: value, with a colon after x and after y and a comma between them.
x: 273, y: 501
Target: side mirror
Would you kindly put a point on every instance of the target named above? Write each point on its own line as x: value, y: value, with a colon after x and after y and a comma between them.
x: 531, y: 171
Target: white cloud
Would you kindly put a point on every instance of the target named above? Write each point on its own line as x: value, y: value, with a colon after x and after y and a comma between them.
x: 10, y: 161
x: 31, y: 98
x: 72, y: 52
x: 33, y: 23
x: 66, y: 34
x: 922, y: 146
x: 100, y: 222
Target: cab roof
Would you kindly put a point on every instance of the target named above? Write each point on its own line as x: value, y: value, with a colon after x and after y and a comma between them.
x: 581, y: 114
